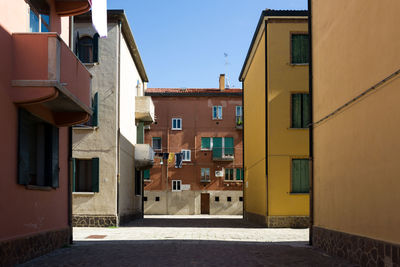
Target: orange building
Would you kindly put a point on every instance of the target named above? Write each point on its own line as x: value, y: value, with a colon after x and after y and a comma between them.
x: 204, y: 126
x: 44, y: 88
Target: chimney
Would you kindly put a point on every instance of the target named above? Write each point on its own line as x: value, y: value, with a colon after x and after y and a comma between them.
x: 222, y: 82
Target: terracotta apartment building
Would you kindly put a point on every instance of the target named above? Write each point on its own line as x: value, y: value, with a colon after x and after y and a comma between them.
x: 203, y: 128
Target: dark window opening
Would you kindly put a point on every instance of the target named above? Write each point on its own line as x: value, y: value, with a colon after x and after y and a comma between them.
x: 37, y: 151
x: 138, y: 183
x: 85, y: 175
x: 144, y: 198
x: 229, y: 199
x: 216, y: 199
x: 157, y: 198
x: 241, y: 199
x: 87, y: 48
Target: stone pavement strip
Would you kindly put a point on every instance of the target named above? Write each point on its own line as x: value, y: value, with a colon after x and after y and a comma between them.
x: 188, y: 241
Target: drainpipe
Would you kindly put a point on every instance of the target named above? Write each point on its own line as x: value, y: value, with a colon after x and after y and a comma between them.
x: 118, y: 112
x: 311, y: 129
x: 244, y: 171
x: 70, y: 183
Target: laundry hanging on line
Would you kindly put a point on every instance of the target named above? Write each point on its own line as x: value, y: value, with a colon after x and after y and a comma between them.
x: 178, y: 160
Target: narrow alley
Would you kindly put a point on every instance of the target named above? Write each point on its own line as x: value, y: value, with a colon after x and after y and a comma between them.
x: 188, y: 240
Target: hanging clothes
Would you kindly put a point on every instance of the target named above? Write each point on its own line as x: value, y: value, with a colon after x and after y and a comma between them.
x: 178, y: 160
x: 171, y: 157
x: 165, y: 155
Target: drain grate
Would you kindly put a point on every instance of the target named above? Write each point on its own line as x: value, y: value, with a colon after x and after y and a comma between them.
x: 95, y: 237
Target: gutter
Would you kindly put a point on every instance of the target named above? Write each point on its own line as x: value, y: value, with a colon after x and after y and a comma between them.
x: 311, y: 128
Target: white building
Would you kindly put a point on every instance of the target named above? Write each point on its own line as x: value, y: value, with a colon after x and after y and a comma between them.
x: 107, y: 177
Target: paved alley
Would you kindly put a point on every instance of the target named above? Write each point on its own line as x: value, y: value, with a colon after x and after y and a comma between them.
x: 187, y: 241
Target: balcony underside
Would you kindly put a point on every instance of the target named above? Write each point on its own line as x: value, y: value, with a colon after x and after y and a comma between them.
x: 72, y: 7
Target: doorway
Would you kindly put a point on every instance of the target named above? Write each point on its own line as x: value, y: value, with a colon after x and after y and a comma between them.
x: 205, y: 203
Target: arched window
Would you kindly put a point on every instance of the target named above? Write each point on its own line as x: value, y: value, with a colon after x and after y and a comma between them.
x: 88, y: 48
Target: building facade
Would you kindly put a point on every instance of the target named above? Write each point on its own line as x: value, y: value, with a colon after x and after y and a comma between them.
x: 204, y: 126
x: 44, y: 89
x: 276, y: 118
x: 107, y: 168
x: 355, y: 88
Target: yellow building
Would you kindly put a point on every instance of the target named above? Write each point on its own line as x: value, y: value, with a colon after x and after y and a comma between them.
x: 276, y: 119
x: 356, y: 144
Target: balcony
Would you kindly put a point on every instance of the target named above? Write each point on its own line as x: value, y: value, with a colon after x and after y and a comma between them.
x: 49, y: 79
x: 72, y: 7
x: 144, y: 111
x: 144, y: 156
x: 223, y: 153
x: 239, y: 122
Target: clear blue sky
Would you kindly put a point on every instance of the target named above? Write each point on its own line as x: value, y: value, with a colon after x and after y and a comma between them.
x: 182, y: 42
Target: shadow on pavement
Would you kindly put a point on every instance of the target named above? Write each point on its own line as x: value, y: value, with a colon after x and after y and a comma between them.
x: 186, y: 253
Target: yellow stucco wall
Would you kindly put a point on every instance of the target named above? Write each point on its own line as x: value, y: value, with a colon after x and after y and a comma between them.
x: 357, y: 179
x: 284, y: 143
x: 254, y: 134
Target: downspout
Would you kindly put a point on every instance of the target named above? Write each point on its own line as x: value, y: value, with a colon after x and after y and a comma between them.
x: 244, y: 171
x: 311, y: 129
x: 118, y: 117
x: 266, y: 119
x: 70, y: 184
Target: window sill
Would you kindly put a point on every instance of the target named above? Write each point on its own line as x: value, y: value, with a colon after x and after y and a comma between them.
x: 299, y: 64
x: 146, y: 180
x: 176, y: 129
x: 83, y: 193
x: 38, y: 187
x: 91, y: 64
x: 92, y: 128
x: 216, y: 119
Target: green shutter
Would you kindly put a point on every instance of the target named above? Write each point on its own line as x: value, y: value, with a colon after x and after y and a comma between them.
x: 217, y: 147
x: 146, y: 174
x: 140, y: 133
x: 300, y: 49
x: 306, y: 111
x: 95, y: 107
x: 54, y: 157
x: 228, y: 146
x: 238, y: 174
x: 73, y: 175
x: 205, y: 143
x: 296, y: 111
x: 96, y: 48
x: 300, y: 176
x: 26, y: 132
x: 95, y: 174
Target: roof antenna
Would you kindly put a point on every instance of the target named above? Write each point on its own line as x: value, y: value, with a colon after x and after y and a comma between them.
x: 226, y: 70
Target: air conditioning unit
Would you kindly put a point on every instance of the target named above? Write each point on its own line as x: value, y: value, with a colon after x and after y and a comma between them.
x: 219, y: 173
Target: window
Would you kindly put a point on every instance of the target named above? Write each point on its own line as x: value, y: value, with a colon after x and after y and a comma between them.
x: 206, y: 143
x: 176, y: 124
x: 216, y: 199
x: 88, y: 48
x: 300, y: 110
x: 229, y: 199
x: 299, y: 47
x: 39, y: 22
x: 185, y: 155
x: 85, y: 174
x: 205, y: 174
x: 176, y: 185
x: 157, y: 198
x: 229, y: 174
x: 217, y: 113
x: 223, y: 147
x: 144, y: 198
x: 239, y: 174
x: 239, y: 115
x: 300, y: 176
x: 156, y: 143
x: 146, y: 174
x: 241, y: 199
x: 37, y: 151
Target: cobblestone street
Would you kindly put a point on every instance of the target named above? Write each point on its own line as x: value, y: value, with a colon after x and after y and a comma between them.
x: 187, y: 241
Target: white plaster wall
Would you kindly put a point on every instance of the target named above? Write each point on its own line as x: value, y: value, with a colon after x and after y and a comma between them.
x: 188, y: 202
x: 102, y: 141
x: 128, y: 201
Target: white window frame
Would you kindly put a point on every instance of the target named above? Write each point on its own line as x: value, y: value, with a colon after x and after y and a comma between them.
x: 152, y: 143
x: 186, y: 152
x: 204, y: 175
x: 219, y: 113
x: 241, y: 111
x: 180, y: 122
x: 176, y: 184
